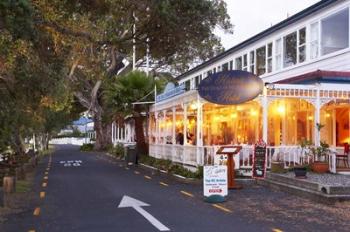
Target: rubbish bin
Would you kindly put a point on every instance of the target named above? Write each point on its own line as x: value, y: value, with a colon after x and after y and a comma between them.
x: 131, y: 154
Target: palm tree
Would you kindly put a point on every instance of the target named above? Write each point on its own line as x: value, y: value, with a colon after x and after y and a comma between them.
x: 122, y: 92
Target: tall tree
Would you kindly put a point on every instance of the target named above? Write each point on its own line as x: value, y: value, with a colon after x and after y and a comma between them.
x: 101, y: 33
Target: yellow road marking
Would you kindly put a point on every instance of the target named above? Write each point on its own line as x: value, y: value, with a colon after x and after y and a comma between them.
x: 36, y: 211
x: 31, y: 230
x: 187, y: 193
x: 46, y: 177
x: 42, y: 194
x: 222, y: 208
x: 136, y: 172
x: 44, y: 184
x: 47, y: 169
x: 164, y: 184
x: 46, y: 173
x: 148, y: 177
x: 277, y: 230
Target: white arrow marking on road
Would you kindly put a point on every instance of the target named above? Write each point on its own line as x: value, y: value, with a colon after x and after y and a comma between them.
x: 136, y: 204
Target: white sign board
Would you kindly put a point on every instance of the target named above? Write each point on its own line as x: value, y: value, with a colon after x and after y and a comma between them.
x: 215, y: 180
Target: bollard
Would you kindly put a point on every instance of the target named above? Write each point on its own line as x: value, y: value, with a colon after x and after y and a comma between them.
x: 9, y: 186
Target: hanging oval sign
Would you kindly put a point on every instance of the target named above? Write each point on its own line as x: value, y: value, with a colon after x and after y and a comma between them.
x: 230, y: 87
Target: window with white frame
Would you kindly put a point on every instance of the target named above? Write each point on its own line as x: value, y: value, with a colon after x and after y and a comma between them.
x: 261, y: 61
x: 290, y: 49
x: 225, y: 67
x: 239, y: 63
x: 302, y: 45
x: 335, y: 32
x: 252, y: 61
x: 245, y: 62
x: 314, y: 38
x: 269, y: 57
x: 278, y: 54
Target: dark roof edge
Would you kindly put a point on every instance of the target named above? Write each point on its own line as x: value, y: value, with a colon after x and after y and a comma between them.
x: 292, y: 19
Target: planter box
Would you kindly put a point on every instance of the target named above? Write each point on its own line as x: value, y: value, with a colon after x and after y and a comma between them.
x: 319, y: 167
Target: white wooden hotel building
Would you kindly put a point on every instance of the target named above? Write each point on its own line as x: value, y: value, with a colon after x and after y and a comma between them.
x: 304, y: 62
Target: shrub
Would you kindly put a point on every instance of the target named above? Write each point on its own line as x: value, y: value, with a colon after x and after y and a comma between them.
x: 117, y: 151
x: 170, y: 167
x: 87, y: 147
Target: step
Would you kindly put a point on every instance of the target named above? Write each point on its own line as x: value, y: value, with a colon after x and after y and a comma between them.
x: 293, y: 181
x: 306, y: 193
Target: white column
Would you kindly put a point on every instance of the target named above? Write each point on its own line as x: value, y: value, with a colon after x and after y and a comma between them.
x: 199, y: 135
x: 185, y: 124
x: 165, y: 127
x: 112, y: 132
x: 265, y: 115
x: 317, y: 118
x: 173, y: 140
x: 157, y: 126
x: 118, y: 134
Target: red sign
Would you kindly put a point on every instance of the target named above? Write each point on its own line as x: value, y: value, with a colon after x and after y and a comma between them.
x: 259, y: 160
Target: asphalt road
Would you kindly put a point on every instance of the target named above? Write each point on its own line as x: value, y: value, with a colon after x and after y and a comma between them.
x: 83, y: 191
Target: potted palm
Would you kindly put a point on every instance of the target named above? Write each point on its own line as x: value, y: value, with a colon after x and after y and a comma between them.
x: 320, y: 163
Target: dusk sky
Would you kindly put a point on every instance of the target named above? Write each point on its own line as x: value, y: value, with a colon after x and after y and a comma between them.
x: 253, y: 16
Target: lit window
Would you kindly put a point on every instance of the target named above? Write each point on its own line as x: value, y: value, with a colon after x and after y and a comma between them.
x: 335, y: 32
x: 261, y: 60
x: 290, y: 49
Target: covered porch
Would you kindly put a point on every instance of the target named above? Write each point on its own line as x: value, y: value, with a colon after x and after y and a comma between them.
x: 187, y: 129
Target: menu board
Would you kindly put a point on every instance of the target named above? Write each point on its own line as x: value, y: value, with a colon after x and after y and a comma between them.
x: 259, y: 160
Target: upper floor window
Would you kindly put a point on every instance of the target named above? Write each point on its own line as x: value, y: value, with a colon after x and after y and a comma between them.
x: 252, y: 61
x: 314, y: 40
x: 231, y: 65
x: 302, y: 45
x: 278, y: 54
x: 269, y: 57
x: 335, y: 32
x: 245, y: 62
x: 225, y: 67
x: 290, y: 49
x: 239, y: 63
x: 261, y: 61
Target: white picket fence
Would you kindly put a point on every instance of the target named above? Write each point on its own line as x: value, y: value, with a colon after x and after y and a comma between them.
x: 71, y: 140
x: 198, y: 156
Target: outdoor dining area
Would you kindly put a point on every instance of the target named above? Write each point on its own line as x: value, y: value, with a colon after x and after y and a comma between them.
x: 300, y: 124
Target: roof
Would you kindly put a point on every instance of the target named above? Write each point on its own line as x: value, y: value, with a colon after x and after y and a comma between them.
x: 318, y: 76
x: 294, y: 18
x: 82, y: 121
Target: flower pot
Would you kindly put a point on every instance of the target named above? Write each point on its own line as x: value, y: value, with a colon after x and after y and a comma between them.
x: 278, y: 167
x: 300, y: 172
x: 319, y: 167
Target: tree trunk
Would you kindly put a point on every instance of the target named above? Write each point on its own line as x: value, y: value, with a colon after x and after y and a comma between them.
x: 103, y: 134
x: 140, y: 136
x: 17, y: 143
